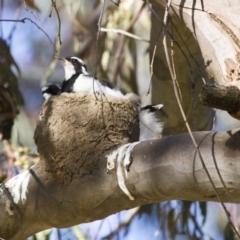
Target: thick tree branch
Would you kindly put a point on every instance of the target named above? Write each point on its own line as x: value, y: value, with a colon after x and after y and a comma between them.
x: 222, y: 97
x: 70, y: 184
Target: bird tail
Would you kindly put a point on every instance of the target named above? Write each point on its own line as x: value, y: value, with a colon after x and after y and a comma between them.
x: 151, y: 108
x: 150, y: 126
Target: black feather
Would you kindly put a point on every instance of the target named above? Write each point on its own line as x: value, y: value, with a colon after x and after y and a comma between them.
x: 150, y: 108
x: 107, y: 83
x: 67, y: 85
x: 52, y: 89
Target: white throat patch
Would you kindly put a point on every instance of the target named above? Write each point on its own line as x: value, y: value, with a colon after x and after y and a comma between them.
x: 84, y: 70
x: 69, y: 70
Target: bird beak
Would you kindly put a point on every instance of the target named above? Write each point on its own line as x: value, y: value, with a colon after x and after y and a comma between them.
x: 60, y: 59
x: 63, y: 61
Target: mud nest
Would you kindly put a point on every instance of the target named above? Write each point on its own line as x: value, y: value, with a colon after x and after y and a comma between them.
x: 75, y: 130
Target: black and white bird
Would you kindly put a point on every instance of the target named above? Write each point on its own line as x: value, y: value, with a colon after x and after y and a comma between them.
x: 150, y: 126
x: 77, y: 79
x: 50, y: 90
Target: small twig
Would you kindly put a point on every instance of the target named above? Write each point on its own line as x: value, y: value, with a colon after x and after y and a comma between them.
x: 186, y: 122
x: 191, y: 77
x: 7, y: 149
x: 1, y: 10
x: 128, y: 34
x: 184, y: 43
x: 115, y: 66
x: 54, y: 5
x: 125, y: 223
x: 152, y: 61
x: 27, y: 9
x: 23, y: 21
x: 174, y: 72
x: 77, y: 23
x: 98, y: 230
x: 191, y: 8
x: 171, y: 36
x: 52, y: 64
x: 16, y: 15
x: 97, y: 40
x: 196, y: 225
x: 96, y: 46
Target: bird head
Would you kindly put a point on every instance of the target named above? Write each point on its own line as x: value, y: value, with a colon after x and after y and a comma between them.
x: 73, y: 65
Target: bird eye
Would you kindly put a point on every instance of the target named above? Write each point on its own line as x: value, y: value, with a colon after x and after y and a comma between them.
x: 74, y: 60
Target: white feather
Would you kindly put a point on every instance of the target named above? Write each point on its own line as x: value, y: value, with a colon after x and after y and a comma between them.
x: 86, y: 83
x: 150, y: 126
x: 158, y: 106
x: 46, y: 96
x: 44, y: 88
x: 69, y: 69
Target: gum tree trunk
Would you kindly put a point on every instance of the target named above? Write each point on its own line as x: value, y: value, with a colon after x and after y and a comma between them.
x: 206, y: 45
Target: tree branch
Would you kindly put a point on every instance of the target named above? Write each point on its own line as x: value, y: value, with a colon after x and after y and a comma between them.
x: 120, y: 31
x: 71, y: 184
x: 23, y: 21
x: 222, y: 97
